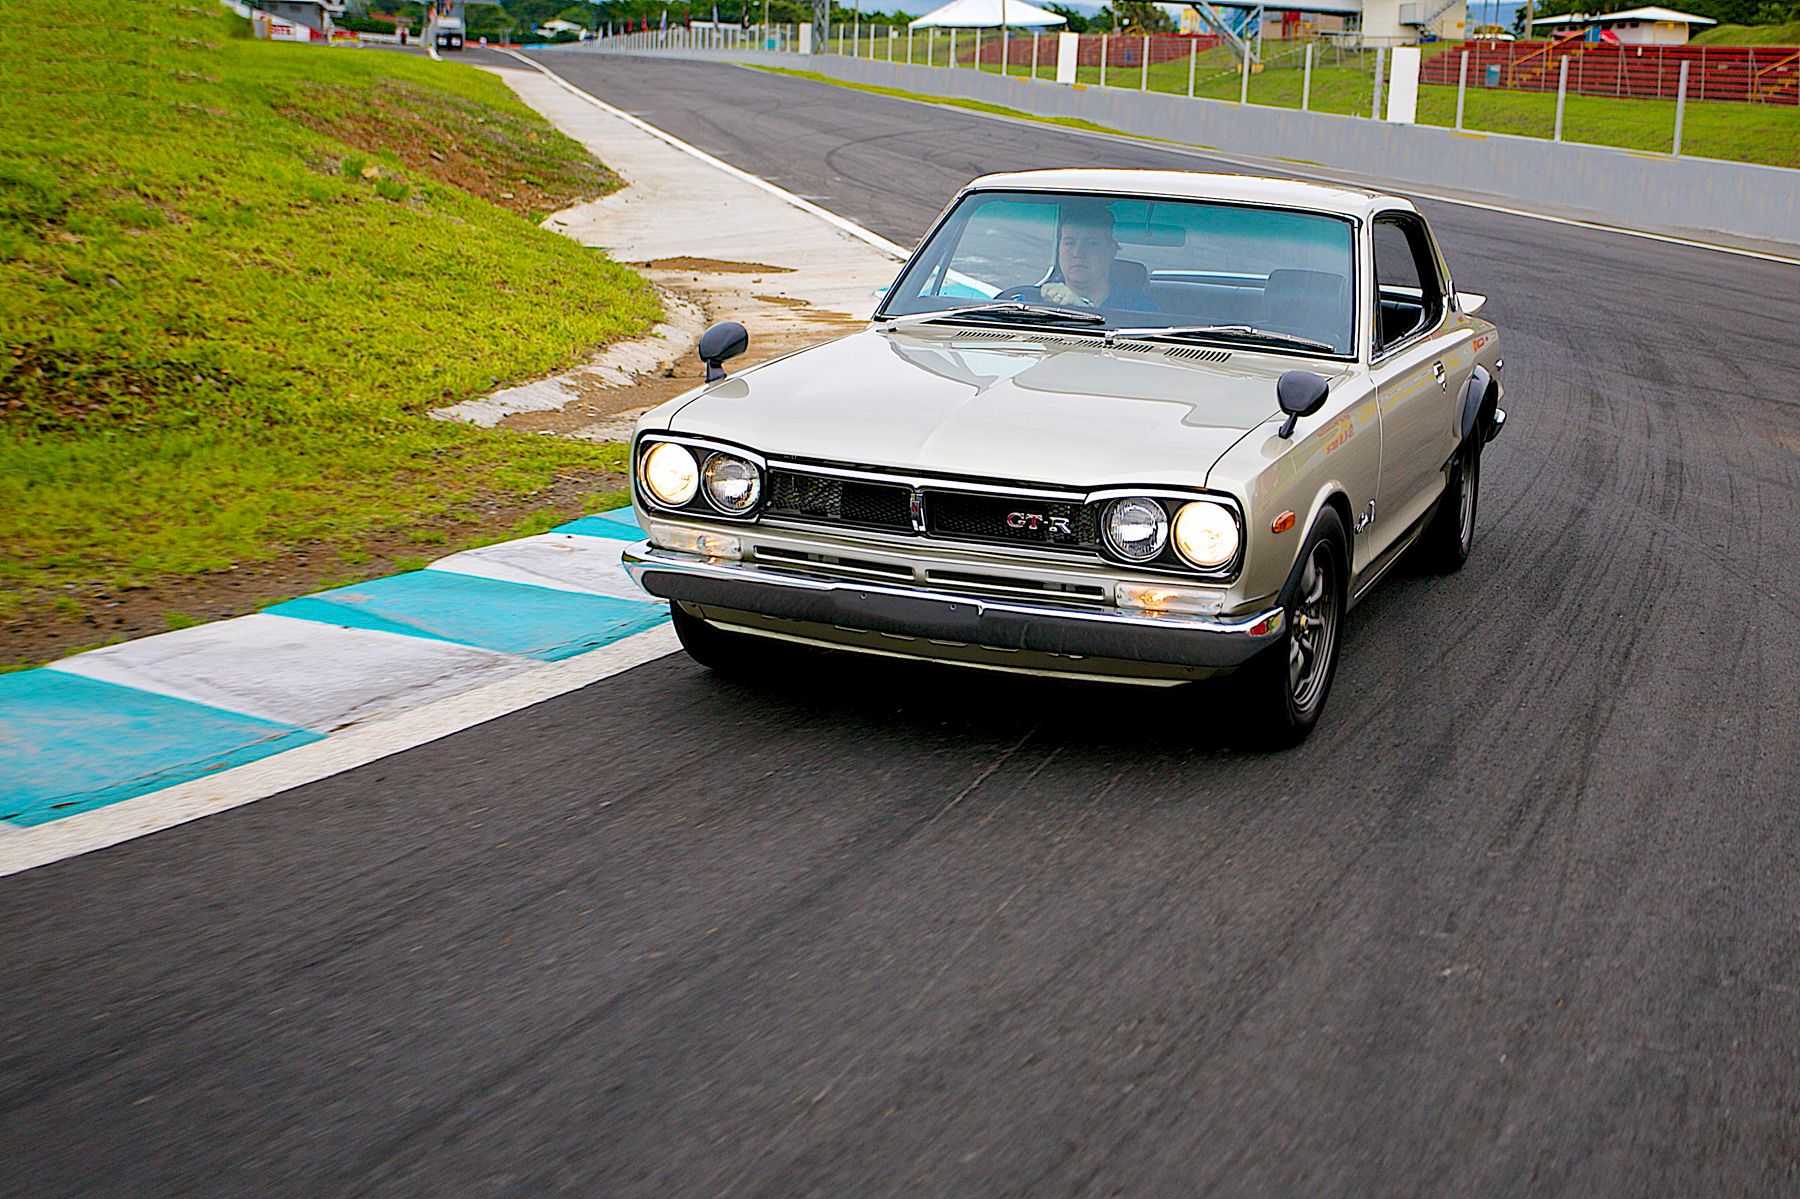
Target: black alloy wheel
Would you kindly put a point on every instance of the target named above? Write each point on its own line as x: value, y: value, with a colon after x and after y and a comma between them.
x: 1286, y: 685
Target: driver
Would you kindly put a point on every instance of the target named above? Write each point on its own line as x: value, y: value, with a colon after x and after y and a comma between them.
x: 1086, y: 254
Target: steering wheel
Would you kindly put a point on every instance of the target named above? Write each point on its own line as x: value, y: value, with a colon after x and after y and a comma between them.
x: 1024, y: 293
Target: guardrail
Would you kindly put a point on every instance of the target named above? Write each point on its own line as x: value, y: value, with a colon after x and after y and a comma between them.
x: 1623, y: 187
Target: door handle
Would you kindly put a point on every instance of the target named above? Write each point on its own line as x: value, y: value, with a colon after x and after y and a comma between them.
x: 1437, y: 372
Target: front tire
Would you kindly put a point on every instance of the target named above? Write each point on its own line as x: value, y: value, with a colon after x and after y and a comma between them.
x: 1286, y: 685
x: 714, y: 648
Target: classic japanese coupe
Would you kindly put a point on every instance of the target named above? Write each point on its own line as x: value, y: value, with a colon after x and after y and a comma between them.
x: 1139, y: 426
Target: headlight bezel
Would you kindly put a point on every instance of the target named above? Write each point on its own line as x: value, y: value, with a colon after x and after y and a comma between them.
x: 1111, y: 510
x: 1169, y: 560
x: 721, y: 459
x: 702, y: 503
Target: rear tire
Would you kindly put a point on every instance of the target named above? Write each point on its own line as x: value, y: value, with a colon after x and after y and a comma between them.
x: 1447, y: 541
x: 1284, y: 688
x: 714, y: 648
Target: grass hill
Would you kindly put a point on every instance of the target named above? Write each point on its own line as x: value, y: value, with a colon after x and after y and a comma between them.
x: 234, y: 276
x: 1751, y: 35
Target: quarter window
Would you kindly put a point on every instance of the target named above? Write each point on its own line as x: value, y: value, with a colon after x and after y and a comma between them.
x: 1409, y: 293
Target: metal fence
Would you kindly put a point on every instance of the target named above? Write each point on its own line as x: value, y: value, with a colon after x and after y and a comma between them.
x: 1753, y: 74
x: 1492, y: 87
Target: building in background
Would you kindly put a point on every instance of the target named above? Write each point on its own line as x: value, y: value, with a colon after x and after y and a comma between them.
x: 1372, y: 22
x: 1633, y: 27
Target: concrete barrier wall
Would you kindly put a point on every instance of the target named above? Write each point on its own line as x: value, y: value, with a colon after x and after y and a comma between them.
x: 1624, y: 187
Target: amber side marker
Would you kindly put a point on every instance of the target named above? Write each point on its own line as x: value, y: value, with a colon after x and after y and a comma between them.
x: 1282, y: 523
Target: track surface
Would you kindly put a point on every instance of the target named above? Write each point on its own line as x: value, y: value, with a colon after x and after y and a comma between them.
x: 1520, y: 918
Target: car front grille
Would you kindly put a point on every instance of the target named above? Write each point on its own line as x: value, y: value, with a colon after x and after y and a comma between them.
x: 949, y: 512
x: 1006, y: 519
x: 839, y: 501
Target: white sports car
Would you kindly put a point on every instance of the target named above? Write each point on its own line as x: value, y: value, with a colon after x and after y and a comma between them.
x: 1133, y: 425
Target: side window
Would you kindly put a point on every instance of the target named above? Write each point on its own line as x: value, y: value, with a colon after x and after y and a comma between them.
x: 1409, y: 294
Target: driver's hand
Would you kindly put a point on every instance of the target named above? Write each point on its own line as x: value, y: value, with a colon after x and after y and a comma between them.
x: 1062, y: 293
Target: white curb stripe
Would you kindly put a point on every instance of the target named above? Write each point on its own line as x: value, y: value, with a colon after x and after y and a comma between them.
x: 842, y: 224
x: 301, y: 672
x: 23, y: 849
x: 560, y: 561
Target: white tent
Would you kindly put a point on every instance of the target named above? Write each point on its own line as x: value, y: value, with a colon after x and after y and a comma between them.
x: 986, y: 14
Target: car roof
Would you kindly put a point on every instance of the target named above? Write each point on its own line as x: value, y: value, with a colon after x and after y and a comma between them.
x: 1200, y: 185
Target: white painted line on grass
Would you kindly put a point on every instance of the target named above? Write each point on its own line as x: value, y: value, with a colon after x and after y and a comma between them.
x: 1286, y: 167
x: 842, y: 224
x: 23, y: 849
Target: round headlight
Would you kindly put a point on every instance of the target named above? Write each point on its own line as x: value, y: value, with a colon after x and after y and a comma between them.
x: 1205, y: 533
x: 732, y: 484
x: 1137, y: 528
x: 670, y: 474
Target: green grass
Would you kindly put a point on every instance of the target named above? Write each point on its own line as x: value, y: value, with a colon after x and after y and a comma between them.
x: 234, y: 277
x: 947, y: 101
x: 1343, y: 83
x: 1750, y: 35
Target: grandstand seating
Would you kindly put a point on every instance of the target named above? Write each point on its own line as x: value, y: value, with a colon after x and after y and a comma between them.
x: 1758, y: 74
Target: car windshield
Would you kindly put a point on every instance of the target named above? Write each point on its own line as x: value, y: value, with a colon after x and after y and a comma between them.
x: 1140, y: 264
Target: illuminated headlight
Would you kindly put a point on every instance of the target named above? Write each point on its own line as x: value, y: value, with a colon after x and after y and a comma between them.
x: 1206, y: 535
x: 732, y: 485
x: 670, y: 474
x: 1137, y: 528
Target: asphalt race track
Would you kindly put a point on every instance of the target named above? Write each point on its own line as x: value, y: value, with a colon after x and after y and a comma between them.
x: 1520, y: 918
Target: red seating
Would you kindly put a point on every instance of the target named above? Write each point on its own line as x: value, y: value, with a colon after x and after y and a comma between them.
x: 1760, y: 74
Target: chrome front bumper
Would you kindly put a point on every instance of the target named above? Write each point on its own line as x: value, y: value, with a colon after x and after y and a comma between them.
x: 1110, y: 633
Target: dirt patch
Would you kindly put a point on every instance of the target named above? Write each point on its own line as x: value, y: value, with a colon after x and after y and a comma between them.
x: 63, y: 621
x: 713, y: 266
x: 778, y: 325
x: 507, y: 160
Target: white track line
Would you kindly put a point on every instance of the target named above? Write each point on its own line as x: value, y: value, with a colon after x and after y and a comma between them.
x: 842, y: 224
x: 22, y: 849
x: 1283, y: 166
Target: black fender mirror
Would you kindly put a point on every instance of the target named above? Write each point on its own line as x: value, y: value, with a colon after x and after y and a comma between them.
x: 1301, y: 393
x: 727, y: 339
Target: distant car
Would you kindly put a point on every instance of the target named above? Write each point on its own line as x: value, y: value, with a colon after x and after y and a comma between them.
x: 448, y: 34
x: 1130, y: 425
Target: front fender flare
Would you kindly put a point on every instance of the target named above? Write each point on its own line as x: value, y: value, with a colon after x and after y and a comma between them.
x: 1480, y: 398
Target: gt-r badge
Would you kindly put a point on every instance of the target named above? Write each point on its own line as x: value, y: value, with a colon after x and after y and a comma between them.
x: 1037, y: 520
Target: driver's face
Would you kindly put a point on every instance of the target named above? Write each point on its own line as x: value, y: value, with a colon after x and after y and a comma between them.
x: 1085, y: 254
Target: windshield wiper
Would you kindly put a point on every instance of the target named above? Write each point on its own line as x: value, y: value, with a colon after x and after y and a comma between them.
x: 1246, y: 333
x: 1009, y: 310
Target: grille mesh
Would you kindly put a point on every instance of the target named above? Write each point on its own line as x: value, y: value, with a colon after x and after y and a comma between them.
x: 993, y: 518
x: 818, y: 497
x: 996, y: 520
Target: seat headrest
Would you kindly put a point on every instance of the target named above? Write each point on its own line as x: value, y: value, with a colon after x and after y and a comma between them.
x: 1128, y: 274
x: 1307, y: 303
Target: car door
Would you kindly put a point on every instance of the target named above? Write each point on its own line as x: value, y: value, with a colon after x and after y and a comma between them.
x: 1418, y: 370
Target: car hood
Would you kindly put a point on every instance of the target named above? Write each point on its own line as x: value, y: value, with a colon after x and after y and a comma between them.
x: 996, y: 404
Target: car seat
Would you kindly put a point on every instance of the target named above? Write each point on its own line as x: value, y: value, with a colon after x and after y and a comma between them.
x: 1311, y: 304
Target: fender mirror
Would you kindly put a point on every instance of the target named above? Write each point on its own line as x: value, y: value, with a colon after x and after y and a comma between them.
x: 727, y: 339
x: 1469, y: 302
x: 1301, y: 393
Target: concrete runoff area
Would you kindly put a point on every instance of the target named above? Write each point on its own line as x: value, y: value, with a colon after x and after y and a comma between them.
x: 1516, y: 919
x: 689, y: 228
